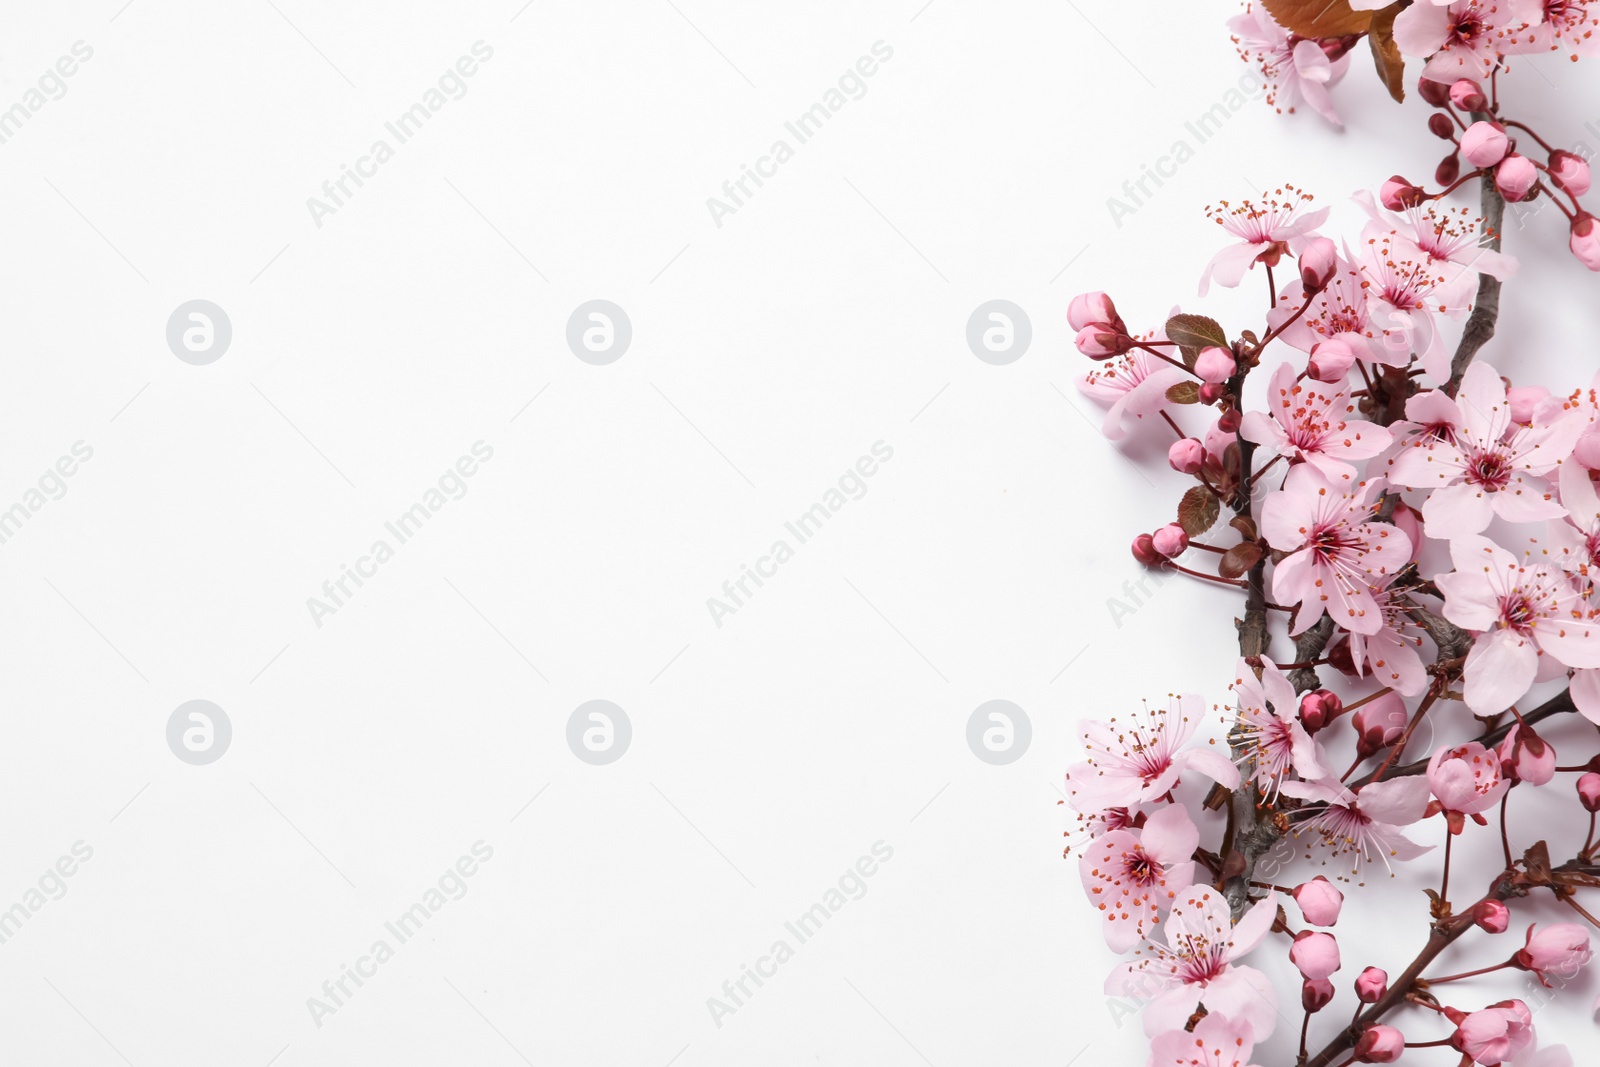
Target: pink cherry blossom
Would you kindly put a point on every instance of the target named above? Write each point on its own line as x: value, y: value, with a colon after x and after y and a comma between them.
x: 1336, y: 554
x: 1531, y: 621
x: 1365, y: 825
x: 1340, y: 312
x: 1134, y: 385
x: 1496, y: 1033
x: 1295, y: 69
x: 1197, y: 960
x: 1405, y: 291
x: 1462, y: 39
x: 1139, y: 759
x: 1559, y: 950
x: 1390, y: 655
x: 1575, y: 543
x: 1132, y: 875
x: 1269, y: 729
x: 1448, y: 240
x: 1466, y: 780
x: 1485, y: 465
x: 1573, y: 24
x: 1266, y: 231
x: 1314, y: 422
x: 1216, y: 1041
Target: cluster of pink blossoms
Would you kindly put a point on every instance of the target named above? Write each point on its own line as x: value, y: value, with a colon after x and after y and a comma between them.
x: 1423, y: 531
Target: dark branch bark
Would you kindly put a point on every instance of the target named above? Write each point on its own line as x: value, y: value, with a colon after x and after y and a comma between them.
x: 1485, y: 313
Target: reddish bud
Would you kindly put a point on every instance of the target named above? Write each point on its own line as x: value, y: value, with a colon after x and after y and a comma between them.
x: 1211, y: 392
x: 1341, y: 659
x: 1379, y: 724
x: 1526, y: 757
x: 1318, y: 708
x: 1315, y: 994
x: 1215, y: 364
x: 1087, y: 309
x: 1437, y: 94
x: 1169, y: 541
x: 1102, y: 341
x: 1448, y: 170
x: 1585, y: 243
x: 1468, y: 95
x: 1187, y: 456
x: 1380, y: 1044
x: 1492, y: 916
x: 1144, y: 550
x: 1371, y: 985
x: 1440, y: 126
x: 1398, y: 194
x: 1589, y: 791
x: 1230, y: 421
x: 1572, y: 172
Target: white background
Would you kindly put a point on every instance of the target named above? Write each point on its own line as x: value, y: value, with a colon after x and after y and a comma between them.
x: 768, y: 354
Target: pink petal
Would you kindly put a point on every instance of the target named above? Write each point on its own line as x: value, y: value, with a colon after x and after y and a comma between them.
x: 1499, y: 670
x: 1170, y: 836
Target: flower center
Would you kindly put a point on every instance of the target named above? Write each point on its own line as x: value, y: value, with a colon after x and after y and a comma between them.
x: 1489, y: 470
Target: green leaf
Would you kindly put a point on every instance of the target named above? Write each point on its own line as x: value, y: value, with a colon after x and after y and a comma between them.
x: 1198, y: 510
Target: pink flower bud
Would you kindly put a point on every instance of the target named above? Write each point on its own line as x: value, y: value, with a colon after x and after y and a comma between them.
x: 1380, y: 1044
x: 1515, y: 177
x: 1491, y: 916
x: 1379, y: 724
x: 1468, y: 95
x: 1585, y: 243
x: 1558, y: 950
x: 1484, y: 144
x: 1589, y: 791
x: 1229, y: 421
x: 1527, y: 757
x: 1318, y: 263
x: 1144, y: 550
x: 1331, y: 360
x: 1315, y: 994
x: 1371, y: 985
x: 1318, y: 899
x: 1525, y: 401
x: 1317, y: 709
x: 1101, y: 341
x: 1440, y: 126
x: 1466, y: 780
x: 1495, y: 1034
x: 1409, y: 520
x: 1186, y: 456
x: 1215, y: 364
x: 1315, y: 953
x: 1398, y: 194
x: 1211, y: 392
x: 1570, y: 170
x: 1170, y: 540
x: 1087, y: 309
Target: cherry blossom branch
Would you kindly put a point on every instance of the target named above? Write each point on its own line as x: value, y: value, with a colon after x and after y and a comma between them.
x: 1486, y: 312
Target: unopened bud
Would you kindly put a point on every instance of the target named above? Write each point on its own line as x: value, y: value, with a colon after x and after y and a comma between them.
x: 1315, y: 994
x: 1211, y: 392
x: 1515, y: 177
x: 1571, y: 171
x: 1437, y: 94
x: 1448, y: 170
x: 1491, y: 916
x: 1379, y: 724
x: 1230, y: 421
x: 1467, y: 95
x: 1483, y: 144
x: 1170, y: 541
x: 1371, y: 985
x: 1187, y: 456
x: 1318, y: 708
x: 1589, y: 791
x: 1398, y: 194
x: 1102, y: 341
x: 1585, y: 242
x: 1331, y: 360
x: 1215, y: 364
x: 1440, y: 126
x: 1318, y: 262
x: 1087, y: 309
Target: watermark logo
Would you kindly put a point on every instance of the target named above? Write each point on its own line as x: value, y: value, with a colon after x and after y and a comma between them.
x: 599, y: 732
x: 999, y: 332
x: 599, y: 332
x: 199, y: 332
x: 198, y: 732
x: 999, y: 732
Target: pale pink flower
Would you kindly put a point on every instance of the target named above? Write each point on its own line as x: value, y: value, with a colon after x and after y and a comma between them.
x: 1134, y: 385
x: 1296, y: 70
x: 1335, y: 554
x: 1217, y: 1041
x: 1132, y: 875
x: 1139, y: 759
x: 1363, y: 825
x: 1573, y: 24
x: 1575, y: 543
x: 1266, y: 232
x: 1495, y: 1034
x: 1390, y: 655
x: 1447, y: 239
x: 1269, y: 730
x: 1466, y: 780
x: 1463, y: 39
x: 1558, y: 950
x: 1487, y: 465
x: 1549, y: 1056
x: 1196, y: 960
x: 1530, y: 619
x: 1314, y: 422
x: 1405, y: 291
x: 1339, y: 312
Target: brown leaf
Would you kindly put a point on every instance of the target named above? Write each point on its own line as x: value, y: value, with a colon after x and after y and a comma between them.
x: 1245, y: 525
x: 1184, y: 393
x: 1238, y: 559
x: 1198, y: 510
x: 1319, y: 18
x: 1194, y: 332
x: 1385, y: 53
